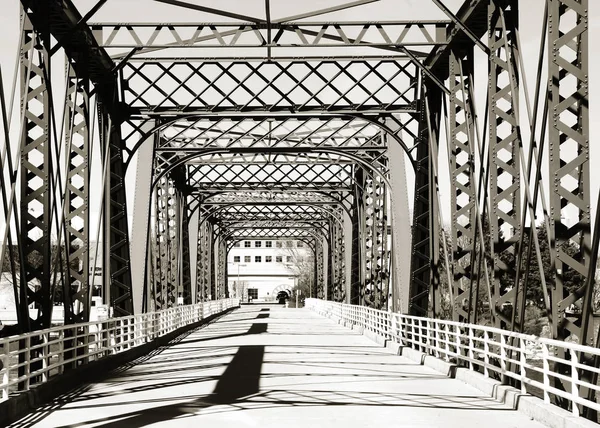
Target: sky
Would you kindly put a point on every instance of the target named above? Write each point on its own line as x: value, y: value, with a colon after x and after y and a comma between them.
x: 531, y: 12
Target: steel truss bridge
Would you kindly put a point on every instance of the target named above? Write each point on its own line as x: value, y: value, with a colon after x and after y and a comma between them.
x: 320, y: 131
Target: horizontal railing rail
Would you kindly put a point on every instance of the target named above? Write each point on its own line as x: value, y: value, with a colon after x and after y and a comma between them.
x: 33, y: 358
x: 534, y: 362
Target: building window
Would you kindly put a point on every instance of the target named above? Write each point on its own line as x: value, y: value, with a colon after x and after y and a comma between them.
x: 278, y: 259
x: 258, y: 244
x: 257, y: 259
x: 237, y: 244
x: 236, y: 259
x: 268, y: 259
x: 246, y: 259
x: 299, y: 244
x: 247, y: 244
x: 268, y: 244
x: 253, y: 293
x: 289, y: 244
x: 278, y: 244
x: 289, y: 259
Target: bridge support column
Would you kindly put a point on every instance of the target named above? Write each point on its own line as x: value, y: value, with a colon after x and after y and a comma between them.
x: 77, y: 118
x: 463, y: 188
x: 425, y: 228
x: 401, y: 228
x: 141, y: 227
x: 505, y: 142
x: 193, y: 246
x: 35, y: 175
x: 357, y: 267
x: 166, y: 278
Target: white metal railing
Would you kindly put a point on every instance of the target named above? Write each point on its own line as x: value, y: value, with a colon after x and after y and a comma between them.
x: 33, y: 358
x: 531, y: 360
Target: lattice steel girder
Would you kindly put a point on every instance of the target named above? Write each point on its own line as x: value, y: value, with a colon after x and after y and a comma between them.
x: 261, y: 132
x: 384, y: 34
x: 274, y: 198
x: 292, y: 87
x: 271, y: 233
x: 504, y: 159
x: 267, y: 212
x: 462, y: 184
x: 270, y: 224
x: 36, y: 169
x: 77, y: 119
x: 569, y: 149
x: 211, y: 178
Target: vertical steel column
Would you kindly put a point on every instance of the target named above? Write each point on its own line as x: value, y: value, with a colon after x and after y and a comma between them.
x: 166, y: 213
x: 320, y: 262
x: 204, y: 267
x: 160, y: 244
x: 36, y: 170
x: 377, y: 254
x: 357, y: 281
x: 400, y: 224
x: 463, y: 210
x: 117, y: 261
x: 339, y: 259
x: 569, y: 128
x: 186, y: 276
x: 425, y: 251
x: 370, y: 291
x: 504, y: 161
x: 222, y: 291
x: 77, y: 290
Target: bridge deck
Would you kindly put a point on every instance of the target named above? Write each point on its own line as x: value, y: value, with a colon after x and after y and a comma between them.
x: 267, y: 366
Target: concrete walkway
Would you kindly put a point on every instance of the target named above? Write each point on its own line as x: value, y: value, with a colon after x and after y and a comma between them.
x: 267, y: 366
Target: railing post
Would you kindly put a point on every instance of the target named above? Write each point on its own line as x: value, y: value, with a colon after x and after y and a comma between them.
x: 27, y: 363
x: 61, y: 350
x: 523, y: 362
x: 471, y: 351
x: 574, y: 383
x: 458, y: 344
x: 503, y: 357
x: 447, y: 341
x: 45, y: 356
x: 546, y: 372
x: 4, y: 369
x: 486, y: 354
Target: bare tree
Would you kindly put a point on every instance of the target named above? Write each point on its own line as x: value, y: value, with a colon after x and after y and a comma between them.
x: 302, y: 263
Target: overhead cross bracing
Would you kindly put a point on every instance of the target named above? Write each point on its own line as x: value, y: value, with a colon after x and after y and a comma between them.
x: 269, y: 122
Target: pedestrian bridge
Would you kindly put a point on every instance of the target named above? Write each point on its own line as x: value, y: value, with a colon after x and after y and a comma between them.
x: 327, y: 364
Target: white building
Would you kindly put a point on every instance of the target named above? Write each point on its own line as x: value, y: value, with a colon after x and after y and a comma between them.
x: 260, y: 269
